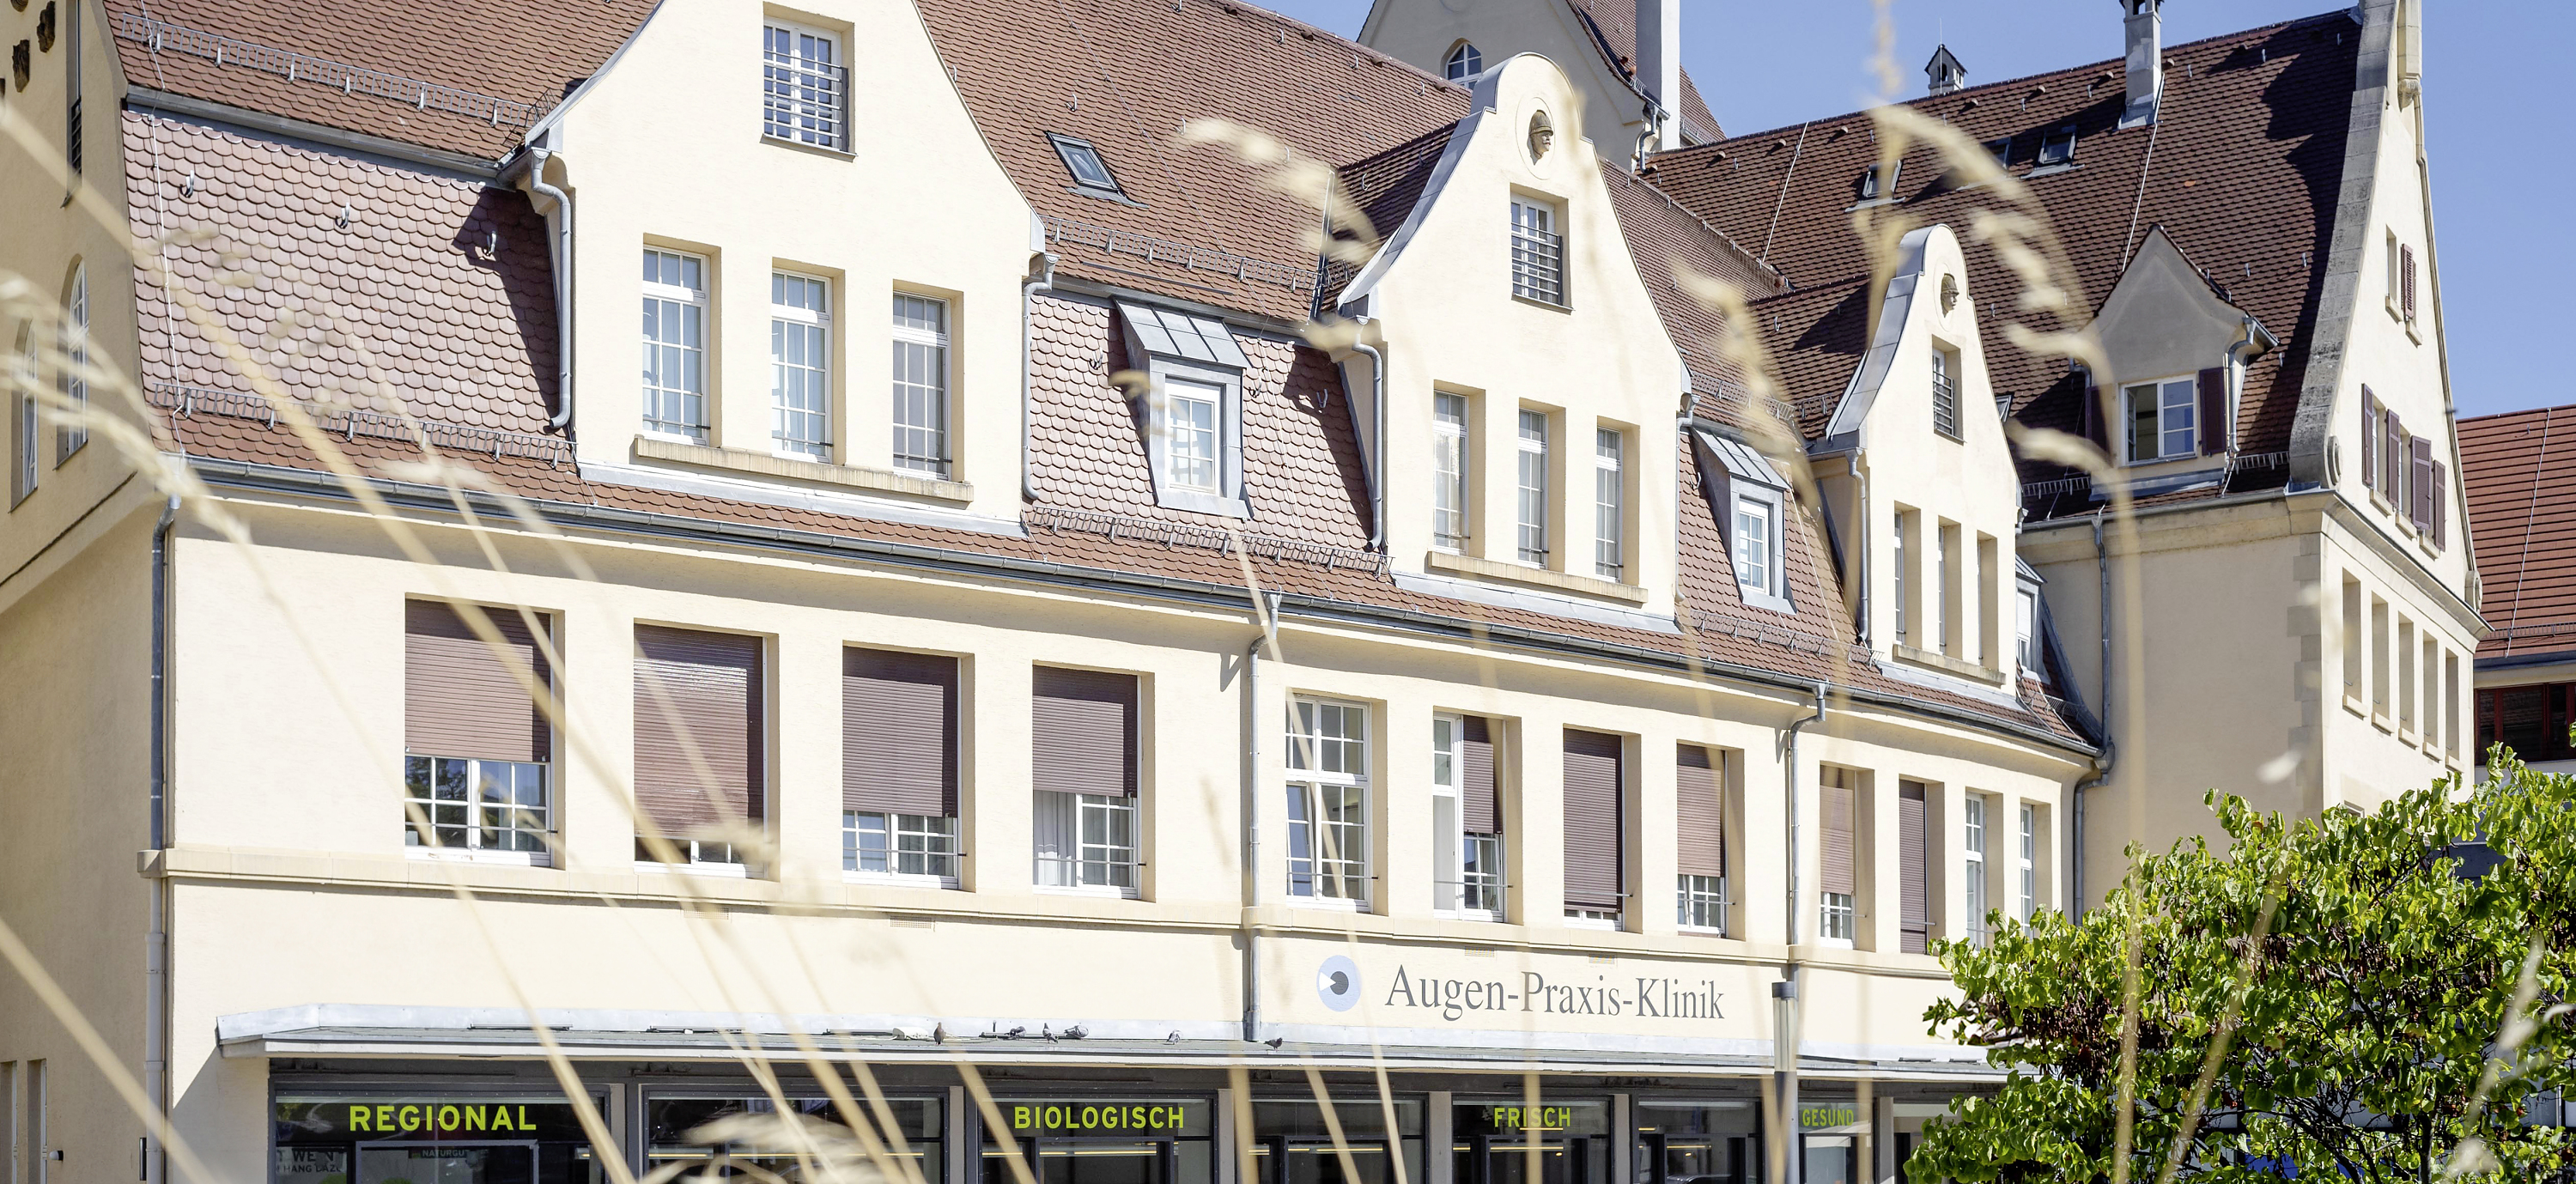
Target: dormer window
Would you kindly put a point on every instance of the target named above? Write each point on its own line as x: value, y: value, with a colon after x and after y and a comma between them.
x: 2163, y: 419
x: 1750, y: 499
x: 2057, y: 148
x: 1464, y: 63
x: 2002, y: 150
x: 1879, y: 180
x: 1091, y: 173
x: 1194, y: 408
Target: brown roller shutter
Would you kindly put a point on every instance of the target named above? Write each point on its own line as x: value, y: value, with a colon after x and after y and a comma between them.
x: 1700, y: 812
x: 706, y: 687
x: 1480, y: 794
x: 1834, y: 853
x: 1083, y: 732
x: 459, y: 697
x: 1913, y: 867
x: 2441, y: 506
x: 898, y: 733
x: 2419, y: 464
x: 2213, y: 411
x: 1593, y: 849
x: 2369, y: 439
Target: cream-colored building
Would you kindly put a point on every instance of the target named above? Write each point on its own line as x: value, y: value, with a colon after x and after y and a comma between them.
x: 1027, y: 612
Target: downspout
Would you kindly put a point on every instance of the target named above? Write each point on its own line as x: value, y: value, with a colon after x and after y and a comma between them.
x: 2110, y: 747
x: 1377, y: 443
x: 1043, y: 281
x: 1861, y: 543
x: 558, y: 220
x: 1786, y: 1027
x: 157, y: 1027
x: 1252, y: 824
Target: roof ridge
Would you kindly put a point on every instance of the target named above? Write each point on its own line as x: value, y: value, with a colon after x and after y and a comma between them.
x: 1980, y: 89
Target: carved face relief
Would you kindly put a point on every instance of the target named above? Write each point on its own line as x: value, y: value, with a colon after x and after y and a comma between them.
x: 1542, y: 136
x: 1949, y: 293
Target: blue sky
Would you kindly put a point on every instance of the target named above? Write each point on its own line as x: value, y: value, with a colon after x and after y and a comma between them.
x: 2501, y: 171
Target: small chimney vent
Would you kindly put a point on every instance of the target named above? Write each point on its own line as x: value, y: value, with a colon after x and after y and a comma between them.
x: 1945, y: 72
x: 2145, y: 26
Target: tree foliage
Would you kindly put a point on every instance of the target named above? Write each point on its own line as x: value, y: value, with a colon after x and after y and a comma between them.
x: 2357, y: 1005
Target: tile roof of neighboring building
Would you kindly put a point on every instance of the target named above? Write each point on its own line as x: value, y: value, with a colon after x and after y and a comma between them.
x: 1614, y: 30
x: 523, y: 53
x: 2247, y: 165
x: 1669, y: 243
x: 2521, y: 492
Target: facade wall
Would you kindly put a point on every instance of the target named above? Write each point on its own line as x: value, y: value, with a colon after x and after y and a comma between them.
x: 1611, y: 115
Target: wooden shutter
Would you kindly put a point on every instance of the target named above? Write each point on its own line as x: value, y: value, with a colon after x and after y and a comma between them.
x: 2419, y: 466
x: 1834, y: 854
x: 459, y: 697
x: 898, y: 733
x: 1480, y: 795
x: 2441, y: 507
x: 1913, y: 867
x: 1083, y: 732
x: 2213, y: 411
x: 1593, y: 849
x: 706, y: 687
x: 2406, y: 259
x: 2369, y: 439
x: 2392, y: 458
x: 1701, y: 811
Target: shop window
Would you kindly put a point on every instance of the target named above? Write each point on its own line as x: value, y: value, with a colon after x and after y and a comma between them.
x: 1466, y: 819
x: 899, y: 714
x: 1699, y: 785
x: 2530, y: 720
x: 1596, y: 850
x: 434, y: 1132
x: 1101, y: 1139
x: 478, y: 748
x: 1699, y: 1142
x: 1328, y: 806
x: 1292, y: 1143
x: 701, y: 747
x: 745, y: 1138
x: 1492, y: 1140
x: 1083, y: 758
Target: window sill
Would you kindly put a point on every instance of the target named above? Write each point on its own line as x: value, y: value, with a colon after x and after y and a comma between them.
x: 2380, y: 720
x: 1598, y: 923
x: 1327, y: 904
x: 1469, y: 565
x: 472, y: 855
x: 1203, y: 503
x: 2051, y: 170
x: 2353, y: 704
x: 1102, y: 891
x: 898, y: 880
x: 713, y: 871
x: 1534, y: 302
x: 1106, y: 195
x: 801, y: 146
x: 1948, y: 665
x: 663, y: 448
x: 1482, y: 916
x: 1701, y: 930
x: 1835, y: 943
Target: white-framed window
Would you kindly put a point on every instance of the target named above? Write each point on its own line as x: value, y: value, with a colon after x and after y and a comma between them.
x: 675, y: 344
x: 1193, y: 404
x: 1834, y: 917
x: 1879, y: 180
x: 1193, y: 457
x: 2057, y: 146
x: 2026, y: 628
x: 75, y: 376
x: 2396, y: 275
x: 1538, y: 253
x: 1757, y: 545
x: 805, y: 95
x: 1972, y: 849
x: 25, y: 420
x: 1944, y: 614
x: 1945, y: 392
x: 1090, y: 169
x: 904, y: 845
x: 920, y: 384
x: 1532, y: 488
x: 1609, y: 508
x: 1328, y: 806
x: 1702, y: 902
x: 1466, y: 864
x: 1087, y: 840
x: 1465, y: 62
x: 800, y: 365
x: 2029, y: 861
x: 2163, y: 419
x: 1448, y: 471
x: 1904, y: 529
x: 478, y: 809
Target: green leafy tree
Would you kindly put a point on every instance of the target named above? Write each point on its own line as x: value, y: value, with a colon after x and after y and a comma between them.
x: 2339, y: 995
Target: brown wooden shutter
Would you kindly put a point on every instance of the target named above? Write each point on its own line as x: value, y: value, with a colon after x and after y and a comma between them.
x: 2369, y: 439
x: 2419, y: 464
x: 1083, y: 732
x: 2392, y: 458
x: 459, y: 698
x: 1834, y: 854
x: 2213, y: 411
x: 2406, y: 257
x: 1913, y: 867
x: 1593, y: 849
x: 1480, y: 795
x: 1700, y: 812
x: 898, y: 733
x: 706, y: 687
x: 2441, y: 507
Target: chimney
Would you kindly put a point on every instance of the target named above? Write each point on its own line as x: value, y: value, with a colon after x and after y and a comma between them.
x: 2146, y: 60
x: 1945, y: 72
x: 1659, y: 65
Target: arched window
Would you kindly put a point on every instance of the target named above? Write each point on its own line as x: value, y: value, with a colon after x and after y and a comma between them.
x: 1464, y: 62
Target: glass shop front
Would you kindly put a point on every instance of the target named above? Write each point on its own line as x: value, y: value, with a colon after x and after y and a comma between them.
x: 1512, y: 1142
x: 429, y: 1139
x: 1102, y: 1139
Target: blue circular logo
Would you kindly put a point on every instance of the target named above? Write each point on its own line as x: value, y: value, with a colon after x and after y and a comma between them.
x: 1337, y: 981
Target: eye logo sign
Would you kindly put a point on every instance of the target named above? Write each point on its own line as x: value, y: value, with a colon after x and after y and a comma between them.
x: 1337, y: 981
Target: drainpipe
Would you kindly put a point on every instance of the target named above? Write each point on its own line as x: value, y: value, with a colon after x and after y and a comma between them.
x: 1785, y: 1019
x: 1377, y: 440
x: 156, y: 974
x: 559, y: 221
x: 2110, y: 748
x: 1252, y: 824
x: 1043, y: 281
x: 1861, y: 541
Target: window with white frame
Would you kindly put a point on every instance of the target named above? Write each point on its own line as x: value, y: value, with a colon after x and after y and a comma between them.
x: 1945, y: 392
x: 675, y: 344
x: 1944, y: 544
x: 1702, y: 902
x: 1609, y: 497
x: 920, y: 384
x: 1532, y: 488
x: 1086, y: 841
x: 804, y: 87
x: 1328, y: 808
x: 1904, y: 528
x: 2162, y: 418
x: 1538, y: 253
x: 1192, y: 457
x: 1466, y: 838
x: 1834, y: 917
x: 2026, y: 628
x: 25, y: 420
x: 1193, y: 404
x: 75, y: 374
x: 1465, y: 62
x: 1448, y: 471
x: 1090, y: 170
x: 800, y: 365
x: 1757, y: 544
x: 2029, y: 864
x: 899, y: 844
x: 1972, y: 848
x: 468, y: 806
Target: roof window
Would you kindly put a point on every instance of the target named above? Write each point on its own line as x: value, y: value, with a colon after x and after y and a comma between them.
x: 1465, y: 62
x: 1091, y: 174
x: 1879, y: 180
x: 2057, y: 148
x: 2002, y: 150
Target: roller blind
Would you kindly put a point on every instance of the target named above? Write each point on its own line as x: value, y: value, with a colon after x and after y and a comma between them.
x: 1592, y: 824
x: 1699, y: 782
x: 707, y: 687
x: 1834, y: 853
x: 1913, y: 867
x: 1083, y: 732
x: 898, y: 733
x: 459, y: 698
x: 1480, y: 795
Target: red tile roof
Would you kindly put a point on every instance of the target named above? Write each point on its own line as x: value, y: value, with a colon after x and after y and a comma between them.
x: 2521, y: 490
x: 1614, y: 30
x: 2247, y: 162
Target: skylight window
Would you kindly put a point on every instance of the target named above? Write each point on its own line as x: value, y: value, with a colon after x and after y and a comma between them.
x: 2057, y: 148
x: 1464, y: 62
x: 1879, y: 181
x: 2002, y: 149
x: 1090, y: 173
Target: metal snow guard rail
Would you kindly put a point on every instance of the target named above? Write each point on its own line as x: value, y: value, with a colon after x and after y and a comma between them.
x: 1110, y: 240
x: 164, y: 37
x: 350, y: 423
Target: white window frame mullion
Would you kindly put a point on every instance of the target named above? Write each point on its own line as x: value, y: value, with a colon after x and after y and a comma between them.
x: 75, y: 433
x: 1609, y: 504
x: 786, y: 321
x: 692, y: 305
x: 1972, y: 847
x: 932, y: 397
x: 1449, y: 471
x: 2029, y: 860
x: 1306, y: 776
x: 804, y: 99
x: 1530, y: 488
